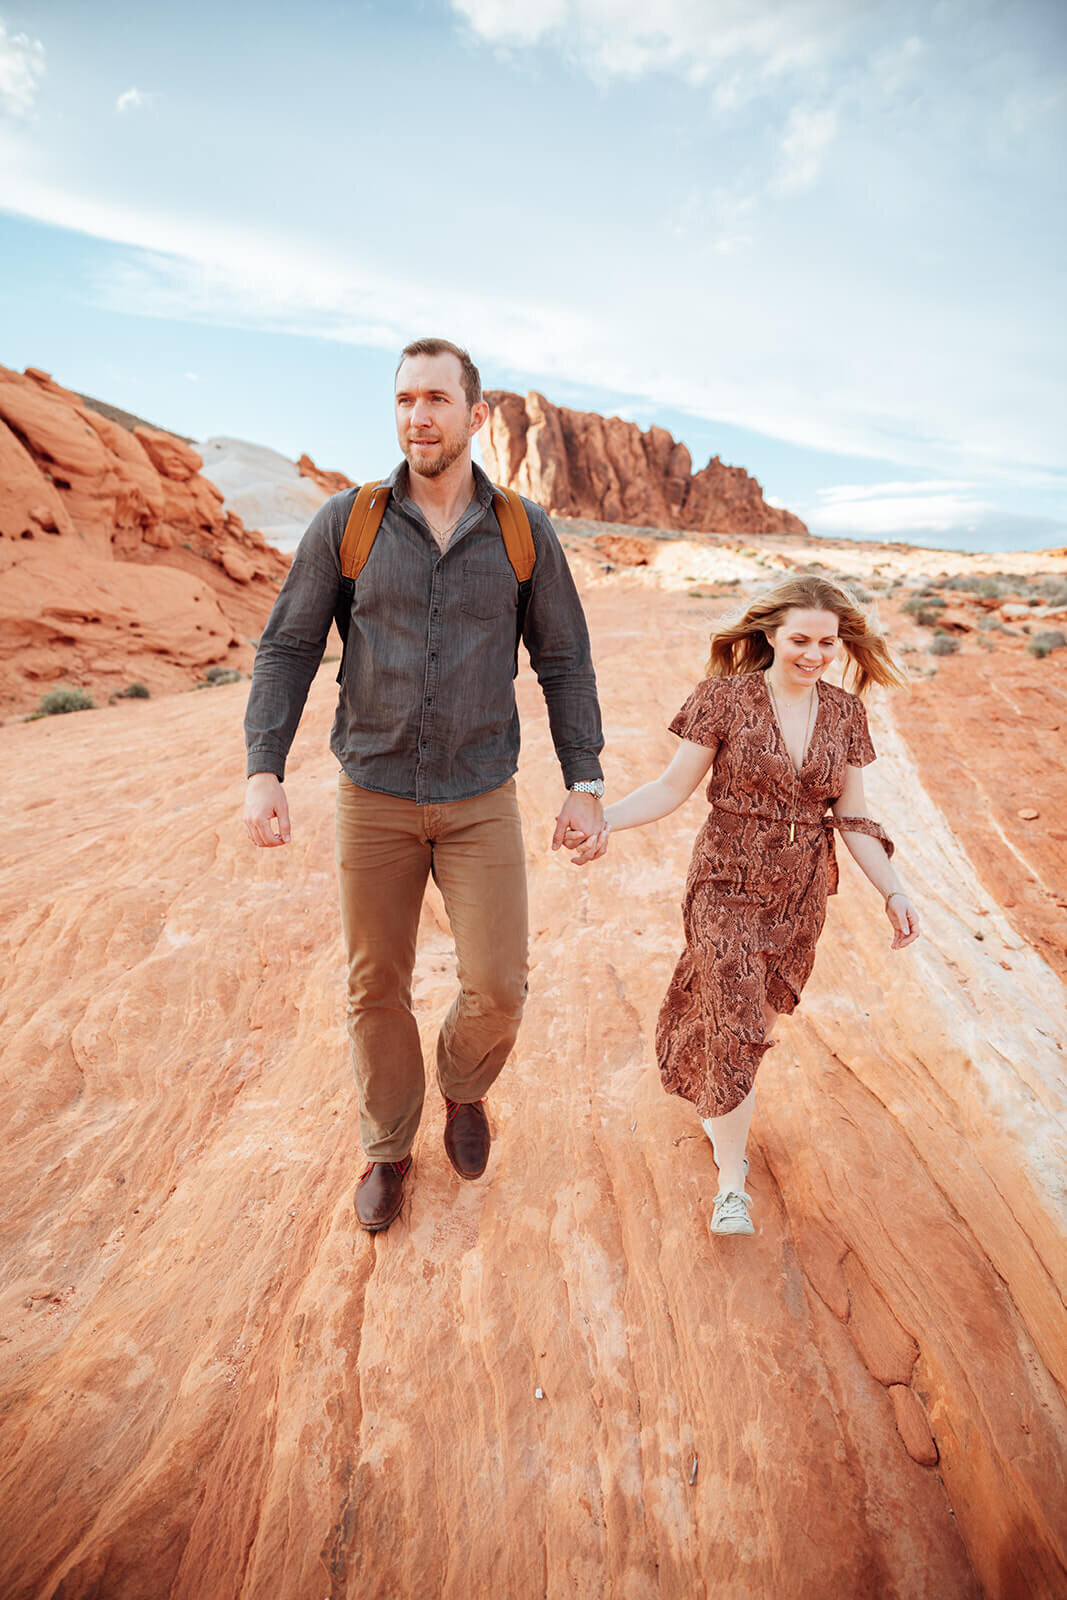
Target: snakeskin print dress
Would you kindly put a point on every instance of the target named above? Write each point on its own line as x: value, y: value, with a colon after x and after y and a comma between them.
x: 755, y: 901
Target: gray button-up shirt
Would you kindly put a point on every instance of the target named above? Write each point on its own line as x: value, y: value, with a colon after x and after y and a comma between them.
x: 427, y: 703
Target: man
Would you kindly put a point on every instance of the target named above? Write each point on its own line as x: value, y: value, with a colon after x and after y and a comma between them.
x: 427, y: 734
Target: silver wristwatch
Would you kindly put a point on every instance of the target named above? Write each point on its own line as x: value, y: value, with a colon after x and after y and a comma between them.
x: 589, y: 786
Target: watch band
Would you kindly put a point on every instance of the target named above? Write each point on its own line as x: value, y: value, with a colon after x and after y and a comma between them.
x: 589, y: 786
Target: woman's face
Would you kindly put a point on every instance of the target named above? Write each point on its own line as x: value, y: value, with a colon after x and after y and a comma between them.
x: 804, y: 645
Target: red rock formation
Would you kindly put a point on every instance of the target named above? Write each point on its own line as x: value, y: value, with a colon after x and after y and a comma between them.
x: 331, y: 482
x: 580, y: 464
x: 118, y: 560
x: 622, y: 550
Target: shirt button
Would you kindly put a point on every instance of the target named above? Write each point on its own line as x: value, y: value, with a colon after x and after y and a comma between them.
x: 429, y: 700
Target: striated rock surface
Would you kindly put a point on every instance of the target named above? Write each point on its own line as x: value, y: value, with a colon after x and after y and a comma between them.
x: 552, y: 1381
x: 264, y: 488
x: 118, y: 561
x: 580, y: 464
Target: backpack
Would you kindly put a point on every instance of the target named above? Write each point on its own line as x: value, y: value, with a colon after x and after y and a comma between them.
x: 365, y: 519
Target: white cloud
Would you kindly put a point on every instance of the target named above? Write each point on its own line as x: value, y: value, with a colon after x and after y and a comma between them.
x: 808, y: 135
x: 132, y: 100
x: 884, y: 509
x: 741, y: 344
x: 940, y: 515
x: 21, y: 66
x: 694, y: 38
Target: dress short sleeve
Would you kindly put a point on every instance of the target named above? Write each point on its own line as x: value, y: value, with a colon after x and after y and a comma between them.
x: 861, y: 751
x: 704, y: 717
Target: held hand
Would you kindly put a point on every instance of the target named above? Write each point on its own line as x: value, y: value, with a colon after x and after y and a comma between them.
x: 586, y: 849
x: 904, y: 920
x: 582, y: 814
x: 264, y: 802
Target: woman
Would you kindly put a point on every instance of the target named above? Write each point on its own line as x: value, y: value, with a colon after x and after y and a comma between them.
x: 782, y: 745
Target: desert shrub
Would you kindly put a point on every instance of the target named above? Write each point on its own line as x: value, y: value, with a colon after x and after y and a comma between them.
x: 1053, y: 590
x: 1043, y: 644
x: 943, y: 644
x: 134, y: 691
x: 59, y: 701
x: 222, y: 675
x: 986, y: 588
x: 923, y: 604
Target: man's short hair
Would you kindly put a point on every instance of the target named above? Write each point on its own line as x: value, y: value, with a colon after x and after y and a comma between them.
x: 469, y: 375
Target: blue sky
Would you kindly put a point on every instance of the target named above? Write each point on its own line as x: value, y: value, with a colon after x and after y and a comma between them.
x: 822, y: 238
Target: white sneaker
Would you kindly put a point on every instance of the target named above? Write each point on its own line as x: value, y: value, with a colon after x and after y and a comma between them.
x: 731, y: 1213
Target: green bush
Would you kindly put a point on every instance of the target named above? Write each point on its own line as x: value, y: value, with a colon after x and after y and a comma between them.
x: 922, y: 606
x: 943, y: 644
x: 216, y: 675
x: 134, y: 691
x: 59, y: 701
x: 1043, y: 644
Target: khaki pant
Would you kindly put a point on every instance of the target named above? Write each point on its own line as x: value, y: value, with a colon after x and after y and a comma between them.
x: 385, y: 850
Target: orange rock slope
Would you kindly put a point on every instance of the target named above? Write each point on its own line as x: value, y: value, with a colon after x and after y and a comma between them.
x: 552, y: 1381
x: 580, y: 464
x: 117, y: 560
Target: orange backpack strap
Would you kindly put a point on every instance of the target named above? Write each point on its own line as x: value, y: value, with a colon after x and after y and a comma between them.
x: 515, y: 527
x: 364, y: 520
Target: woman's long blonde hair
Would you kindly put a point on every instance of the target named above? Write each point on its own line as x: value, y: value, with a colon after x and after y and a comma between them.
x: 744, y: 646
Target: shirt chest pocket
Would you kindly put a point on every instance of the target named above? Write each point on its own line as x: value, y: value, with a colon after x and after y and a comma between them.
x: 488, y: 591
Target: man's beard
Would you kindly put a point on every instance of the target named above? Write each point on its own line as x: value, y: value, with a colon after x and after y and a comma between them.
x: 451, y: 450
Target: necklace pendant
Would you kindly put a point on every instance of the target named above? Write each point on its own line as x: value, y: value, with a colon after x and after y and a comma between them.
x: 792, y: 832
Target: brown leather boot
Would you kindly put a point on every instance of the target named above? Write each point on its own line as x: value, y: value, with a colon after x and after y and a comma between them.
x: 467, y: 1136
x: 380, y: 1193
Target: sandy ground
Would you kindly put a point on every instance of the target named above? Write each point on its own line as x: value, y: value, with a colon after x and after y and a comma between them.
x: 552, y: 1381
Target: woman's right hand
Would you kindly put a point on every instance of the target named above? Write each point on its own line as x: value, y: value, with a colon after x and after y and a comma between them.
x: 586, y: 848
x: 904, y: 920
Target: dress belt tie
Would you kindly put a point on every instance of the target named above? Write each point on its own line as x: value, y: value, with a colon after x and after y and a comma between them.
x: 827, y: 823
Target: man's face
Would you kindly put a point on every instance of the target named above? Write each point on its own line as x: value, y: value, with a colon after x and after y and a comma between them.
x: 434, y: 423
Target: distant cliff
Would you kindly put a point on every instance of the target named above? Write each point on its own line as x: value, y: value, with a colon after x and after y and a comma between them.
x: 580, y: 464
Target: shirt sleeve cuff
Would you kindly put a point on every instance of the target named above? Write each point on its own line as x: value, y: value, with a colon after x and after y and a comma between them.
x: 263, y: 761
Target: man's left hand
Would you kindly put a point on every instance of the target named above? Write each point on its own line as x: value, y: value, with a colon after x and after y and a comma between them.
x: 581, y: 813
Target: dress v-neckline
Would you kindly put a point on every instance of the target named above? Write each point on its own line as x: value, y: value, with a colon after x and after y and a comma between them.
x: 780, y: 731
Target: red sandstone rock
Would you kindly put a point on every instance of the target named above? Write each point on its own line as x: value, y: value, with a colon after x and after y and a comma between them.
x: 913, y: 1425
x: 213, y: 1385
x: 955, y: 620
x: 94, y: 522
x: 580, y: 464
x: 171, y: 457
x: 331, y: 482
x: 623, y: 551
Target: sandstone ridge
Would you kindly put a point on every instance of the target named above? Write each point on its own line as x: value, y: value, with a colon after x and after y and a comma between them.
x: 580, y: 464
x: 118, y: 559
